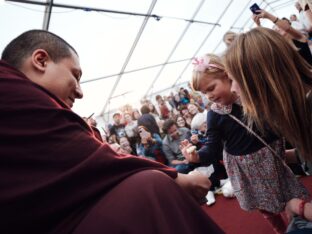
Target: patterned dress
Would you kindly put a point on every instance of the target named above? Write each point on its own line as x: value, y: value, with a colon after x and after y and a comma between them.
x: 261, y: 180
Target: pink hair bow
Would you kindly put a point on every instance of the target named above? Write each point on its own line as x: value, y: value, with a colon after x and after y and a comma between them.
x: 203, y: 63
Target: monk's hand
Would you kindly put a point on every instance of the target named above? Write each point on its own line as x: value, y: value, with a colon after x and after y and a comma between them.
x: 195, y: 183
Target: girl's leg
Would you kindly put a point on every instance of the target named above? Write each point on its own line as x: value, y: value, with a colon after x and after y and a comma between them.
x: 275, y: 220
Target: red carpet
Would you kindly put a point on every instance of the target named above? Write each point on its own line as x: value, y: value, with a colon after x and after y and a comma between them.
x: 233, y: 220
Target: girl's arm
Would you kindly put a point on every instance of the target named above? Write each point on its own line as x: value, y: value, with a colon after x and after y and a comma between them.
x: 212, y: 150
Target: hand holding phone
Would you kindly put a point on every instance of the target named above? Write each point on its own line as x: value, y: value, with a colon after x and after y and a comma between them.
x: 254, y: 8
x: 143, y: 133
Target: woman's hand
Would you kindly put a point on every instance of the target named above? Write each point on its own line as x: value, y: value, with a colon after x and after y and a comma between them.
x: 264, y: 15
x: 291, y: 208
x: 256, y: 19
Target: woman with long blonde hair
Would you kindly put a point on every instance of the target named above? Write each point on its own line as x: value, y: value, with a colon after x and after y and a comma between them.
x: 274, y: 83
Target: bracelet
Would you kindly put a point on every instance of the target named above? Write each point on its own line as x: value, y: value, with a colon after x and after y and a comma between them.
x: 274, y: 22
x: 301, y: 208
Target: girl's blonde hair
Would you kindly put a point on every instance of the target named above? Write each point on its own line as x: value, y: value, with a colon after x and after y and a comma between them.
x: 209, y: 64
x: 274, y: 80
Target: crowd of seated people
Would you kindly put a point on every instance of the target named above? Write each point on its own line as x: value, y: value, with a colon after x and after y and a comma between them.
x: 157, y: 130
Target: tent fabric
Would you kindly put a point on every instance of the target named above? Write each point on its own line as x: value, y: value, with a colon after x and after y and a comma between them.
x: 132, y: 49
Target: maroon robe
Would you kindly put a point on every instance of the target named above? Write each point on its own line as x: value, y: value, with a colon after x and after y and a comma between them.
x: 54, y: 173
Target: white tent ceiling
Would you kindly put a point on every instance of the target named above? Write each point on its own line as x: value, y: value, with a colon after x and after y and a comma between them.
x: 132, y: 48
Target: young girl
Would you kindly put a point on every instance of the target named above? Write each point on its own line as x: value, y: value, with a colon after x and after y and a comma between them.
x: 260, y: 179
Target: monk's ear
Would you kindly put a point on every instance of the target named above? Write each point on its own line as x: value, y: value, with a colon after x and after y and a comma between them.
x: 39, y: 59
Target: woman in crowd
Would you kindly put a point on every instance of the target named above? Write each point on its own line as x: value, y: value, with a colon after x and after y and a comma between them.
x: 283, y: 27
x: 150, y: 146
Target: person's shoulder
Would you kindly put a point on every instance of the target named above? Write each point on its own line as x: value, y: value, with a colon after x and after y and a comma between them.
x: 184, y: 129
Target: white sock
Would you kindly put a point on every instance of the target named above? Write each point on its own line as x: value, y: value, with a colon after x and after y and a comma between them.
x: 222, y: 182
x: 227, y: 189
x: 210, y: 198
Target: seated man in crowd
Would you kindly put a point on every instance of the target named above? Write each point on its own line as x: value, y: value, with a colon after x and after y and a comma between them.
x: 117, y: 130
x: 171, y: 146
x: 57, y: 178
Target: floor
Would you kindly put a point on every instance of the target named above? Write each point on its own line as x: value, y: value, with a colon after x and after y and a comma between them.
x: 233, y: 220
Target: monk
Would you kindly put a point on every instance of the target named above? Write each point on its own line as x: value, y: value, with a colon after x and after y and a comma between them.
x: 56, y: 177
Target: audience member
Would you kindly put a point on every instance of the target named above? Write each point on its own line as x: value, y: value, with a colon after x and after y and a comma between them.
x: 297, y: 24
x: 136, y: 114
x: 148, y: 120
x: 131, y: 131
x: 125, y: 145
x: 171, y: 146
x: 150, y: 146
x: 229, y: 37
x: 304, y: 8
x: 118, y: 129
x: 181, y: 123
x: 283, y: 27
x: 163, y: 108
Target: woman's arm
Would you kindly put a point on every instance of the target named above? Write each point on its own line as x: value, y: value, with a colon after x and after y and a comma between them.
x: 282, y: 24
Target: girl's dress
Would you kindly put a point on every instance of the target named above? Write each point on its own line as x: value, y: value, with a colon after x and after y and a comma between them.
x: 260, y: 179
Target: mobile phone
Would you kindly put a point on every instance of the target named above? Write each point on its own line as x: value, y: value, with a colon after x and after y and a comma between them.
x: 254, y: 8
x: 143, y: 133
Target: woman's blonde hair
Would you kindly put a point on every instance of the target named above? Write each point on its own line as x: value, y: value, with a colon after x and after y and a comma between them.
x: 209, y: 64
x: 273, y: 79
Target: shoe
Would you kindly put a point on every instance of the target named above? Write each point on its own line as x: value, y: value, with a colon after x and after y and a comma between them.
x: 210, y: 198
x: 227, y: 189
x: 222, y: 182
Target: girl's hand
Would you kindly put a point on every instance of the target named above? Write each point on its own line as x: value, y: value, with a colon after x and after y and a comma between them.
x: 188, y: 153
